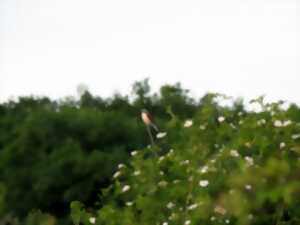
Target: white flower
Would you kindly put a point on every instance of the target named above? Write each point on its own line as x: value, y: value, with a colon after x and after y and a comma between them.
x: 120, y: 166
x: 249, y: 160
x: 202, y: 127
x: 176, y: 181
x: 171, y: 152
x: 92, y: 220
x: 262, y: 121
x: 125, y: 188
x: 161, y: 134
x: 136, y: 173
x: 204, y: 169
x: 165, y: 223
x: 161, y: 158
x: 234, y: 153
x: 227, y: 221
x: 248, y: 186
x: 212, y: 218
x: 162, y: 183
x: 213, y: 160
x: 173, y: 216
x: 129, y: 203
x: 295, y: 136
x: 187, y: 222
x: 188, y: 123
x: 221, y: 119
x: 219, y: 209
x: 185, y: 162
x: 248, y: 144
x: 133, y: 153
x: 287, y: 122
x: 116, y: 174
x: 170, y: 205
x: 161, y: 173
x: 193, y: 206
x: 282, y: 145
x: 203, y: 183
x: 278, y: 123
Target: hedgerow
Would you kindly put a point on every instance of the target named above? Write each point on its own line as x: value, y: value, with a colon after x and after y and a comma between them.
x: 222, y: 166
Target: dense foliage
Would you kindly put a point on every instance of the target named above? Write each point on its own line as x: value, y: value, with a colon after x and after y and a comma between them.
x: 223, y: 166
x: 55, y: 152
x: 210, y: 164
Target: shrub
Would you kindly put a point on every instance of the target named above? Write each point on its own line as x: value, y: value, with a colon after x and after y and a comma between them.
x: 221, y: 167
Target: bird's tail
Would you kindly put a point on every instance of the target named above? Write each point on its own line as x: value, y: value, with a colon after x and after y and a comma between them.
x: 154, y: 127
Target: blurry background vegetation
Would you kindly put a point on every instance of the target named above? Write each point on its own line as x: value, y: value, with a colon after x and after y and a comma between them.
x: 54, y: 152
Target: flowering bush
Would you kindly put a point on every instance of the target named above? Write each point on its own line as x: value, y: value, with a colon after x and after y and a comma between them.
x: 221, y: 167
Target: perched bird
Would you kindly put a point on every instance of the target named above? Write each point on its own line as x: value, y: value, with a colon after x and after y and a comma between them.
x: 148, y: 119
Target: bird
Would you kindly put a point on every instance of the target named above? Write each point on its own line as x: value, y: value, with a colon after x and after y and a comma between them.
x: 148, y: 119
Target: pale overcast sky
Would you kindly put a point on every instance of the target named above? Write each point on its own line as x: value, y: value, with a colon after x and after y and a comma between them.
x: 237, y: 47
